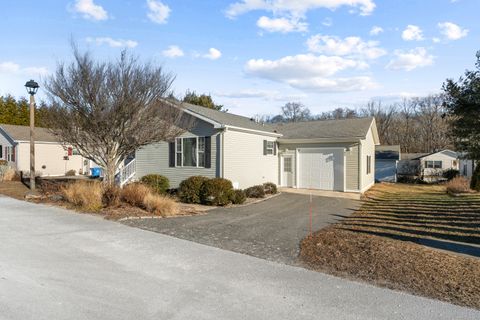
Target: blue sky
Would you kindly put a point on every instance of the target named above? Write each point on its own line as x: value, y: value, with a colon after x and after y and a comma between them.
x: 253, y: 56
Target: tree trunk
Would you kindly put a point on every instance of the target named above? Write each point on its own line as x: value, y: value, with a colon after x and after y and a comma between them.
x: 109, y: 174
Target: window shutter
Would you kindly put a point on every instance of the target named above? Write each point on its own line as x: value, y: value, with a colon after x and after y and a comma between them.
x: 13, y: 154
x: 264, y: 147
x: 275, y: 148
x: 171, y: 154
x: 208, y: 152
x: 1, y: 151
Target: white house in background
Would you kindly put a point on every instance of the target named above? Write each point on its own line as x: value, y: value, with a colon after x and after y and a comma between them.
x: 52, y: 158
x: 386, y: 161
x: 429, y: 166
x: 328, y: 155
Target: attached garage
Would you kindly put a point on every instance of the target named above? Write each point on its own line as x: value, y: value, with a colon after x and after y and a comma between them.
x: 321, y: 168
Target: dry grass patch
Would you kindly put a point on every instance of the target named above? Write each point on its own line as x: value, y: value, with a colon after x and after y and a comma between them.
x: 84, y: 195
x: 160, y: 205
x: 393, y: 240
x: 134, y: 193
x: 458, y: 185
x: 14, y: 189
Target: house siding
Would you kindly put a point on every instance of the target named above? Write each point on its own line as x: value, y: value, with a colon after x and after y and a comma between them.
x: 153, y: 159
x: 244, y: 162
x: 367, y: 149
x: 4, y: 142
x: 351, y: 159
x: 49, y: 159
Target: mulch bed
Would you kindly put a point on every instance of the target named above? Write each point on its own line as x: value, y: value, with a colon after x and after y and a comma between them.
x: 380, y: 244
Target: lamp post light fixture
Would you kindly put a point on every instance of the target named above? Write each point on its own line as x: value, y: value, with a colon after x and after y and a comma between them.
x: 32, y: 88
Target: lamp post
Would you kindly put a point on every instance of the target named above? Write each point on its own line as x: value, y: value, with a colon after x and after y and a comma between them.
x: 32, y: 88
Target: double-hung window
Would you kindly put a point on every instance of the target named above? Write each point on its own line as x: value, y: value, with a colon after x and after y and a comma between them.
x: 433, y: 164
x: 190, y: 152
x: 369, y: 164
x: 10, y: 154
x: 270, y: 146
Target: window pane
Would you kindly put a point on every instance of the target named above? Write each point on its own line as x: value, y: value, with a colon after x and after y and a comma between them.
x: 179, y: 159
x: 189, y: 152
x: 179, y: 144
x: 201, y: 144
x: 287, y: 165
x: 201, y: 159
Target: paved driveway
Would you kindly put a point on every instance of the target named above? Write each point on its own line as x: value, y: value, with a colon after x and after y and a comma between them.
x: 56, y: 264
x: 271, y: 229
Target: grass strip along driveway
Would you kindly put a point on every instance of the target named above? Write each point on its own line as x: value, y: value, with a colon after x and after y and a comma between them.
x: 408, y: 237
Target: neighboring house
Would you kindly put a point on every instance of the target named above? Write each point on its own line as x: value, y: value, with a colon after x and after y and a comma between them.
x: 52, y: 158
x: 386, y: 161
x: 329, y: 155
x: 466, y: 167
x: 428, y: 166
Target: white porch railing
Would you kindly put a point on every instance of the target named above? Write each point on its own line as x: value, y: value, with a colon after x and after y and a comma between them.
x: 127, y: 173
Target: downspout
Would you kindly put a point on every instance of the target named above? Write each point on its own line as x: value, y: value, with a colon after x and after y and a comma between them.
x: 360, y: 166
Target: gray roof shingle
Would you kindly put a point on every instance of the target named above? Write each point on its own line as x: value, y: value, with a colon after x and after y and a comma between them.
x: 320, y: 129
x: 22, y: 133
x: 228, y: 119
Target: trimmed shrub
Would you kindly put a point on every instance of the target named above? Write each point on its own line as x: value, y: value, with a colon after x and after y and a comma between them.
x: 156, y: 182
x: 450, y: 174
x: 270, y: 188
x: 189, y: 189
x: 160, y: 205
x: 134, y: 193
x: 3, y: 163
x: 475, y: 182
x: 112, y: 196
x: 216, y: 192
x: 8, y: 174
x: 255, y: 192
x: 458, y: 185
x: 70, y: 173
x: 85, y: 195
x: 238, y: 196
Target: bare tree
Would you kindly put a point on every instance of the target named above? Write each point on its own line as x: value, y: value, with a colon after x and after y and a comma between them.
x: 107, y: 110
x: 295, y: 111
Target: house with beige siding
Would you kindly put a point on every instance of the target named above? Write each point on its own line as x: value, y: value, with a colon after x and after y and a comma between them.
x: 326, y: 155
x: 52, y: 157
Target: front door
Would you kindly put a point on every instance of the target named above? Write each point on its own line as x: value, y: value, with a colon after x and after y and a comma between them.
x: 287, y: 171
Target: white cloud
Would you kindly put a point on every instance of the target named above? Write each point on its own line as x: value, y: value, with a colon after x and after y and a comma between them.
x: 282, y: 25
x: 327, y: 22
x: 349, y: 46
x: 262, y: 94
x: 451, y: 31
x: 412, y: 59
x: 310, y: 72
x: 114, y: 43
x: 412, y: 32
x: 90, y: 10
x: 157, y: 11
x: 213, y: 54
x: 173, y: 52
x: 376, y: 30
x: 296, y: 8
x: 11, y: 68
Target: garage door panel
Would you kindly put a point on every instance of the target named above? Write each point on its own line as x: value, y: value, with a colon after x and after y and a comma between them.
x: 321, y: 169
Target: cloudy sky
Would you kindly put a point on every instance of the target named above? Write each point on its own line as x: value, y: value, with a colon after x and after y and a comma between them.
x: 254, y: 55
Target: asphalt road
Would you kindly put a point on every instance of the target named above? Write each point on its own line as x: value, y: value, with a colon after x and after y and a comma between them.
x: 271, y: 229
x: 56, y: 264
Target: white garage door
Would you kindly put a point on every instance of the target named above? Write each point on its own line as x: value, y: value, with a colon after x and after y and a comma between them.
x: 321, y: 169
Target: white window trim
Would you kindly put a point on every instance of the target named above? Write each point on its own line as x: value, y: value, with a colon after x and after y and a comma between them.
x: 433, y: 164
x: 181, y: 152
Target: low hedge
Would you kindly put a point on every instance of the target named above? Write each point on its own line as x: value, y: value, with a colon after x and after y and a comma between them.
x: 216, y: 192
x: 270, y: 188
x: 158, y: 183
x: 255, y: 192
x: 238, y: 196
x: 189, y: 189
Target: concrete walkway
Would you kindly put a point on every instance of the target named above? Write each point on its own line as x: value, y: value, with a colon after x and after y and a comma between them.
x: 55, y: 264
x: 323, y: 193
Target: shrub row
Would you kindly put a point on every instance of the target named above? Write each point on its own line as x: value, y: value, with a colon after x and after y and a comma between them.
x: 219, y: 192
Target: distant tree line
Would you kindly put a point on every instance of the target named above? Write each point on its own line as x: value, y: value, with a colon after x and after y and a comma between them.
x: 416, y: 124
x: 13, y: 111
